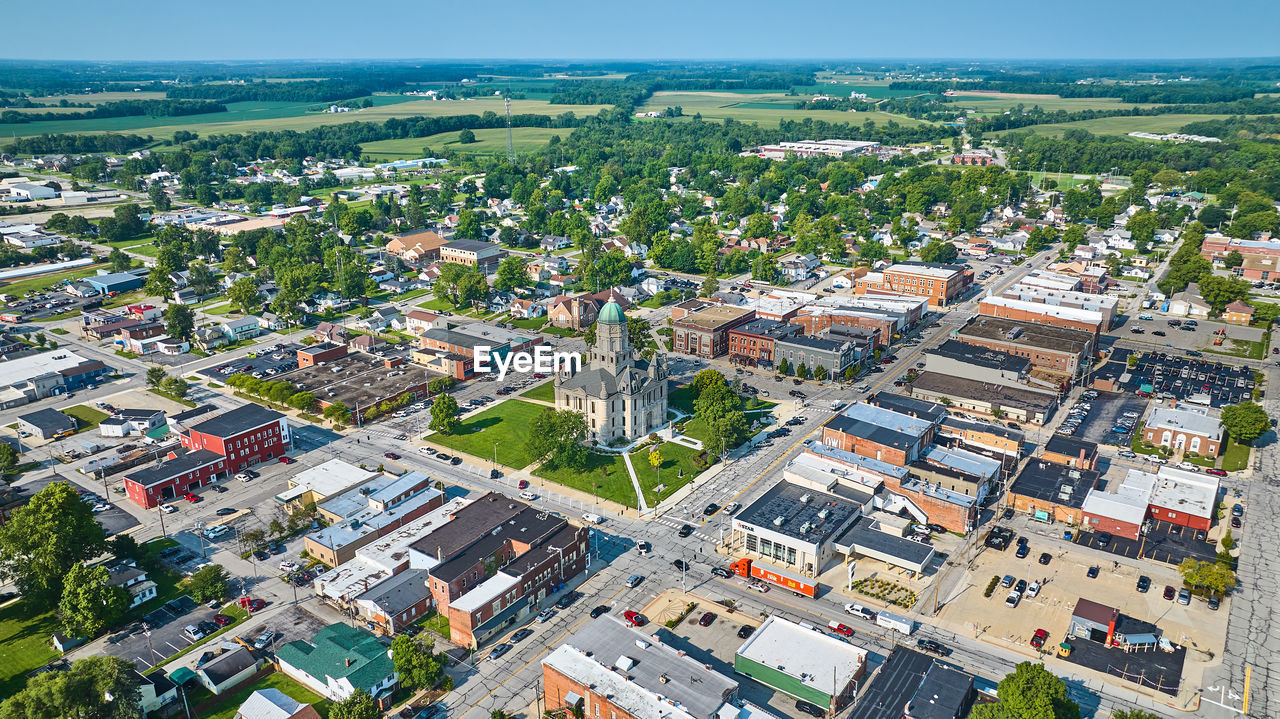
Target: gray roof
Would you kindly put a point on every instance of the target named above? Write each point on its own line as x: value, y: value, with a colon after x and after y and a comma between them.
x: 181, y: 464
x: 911, y: 406
x: 228, y: 664
x: 787, y: 500
x: 471, y: 245
x: 944, y: 694
x: 1020, y: 398
x: 895, y: 683
x: 48, y: 421
x: 600, y: 382
x: 238, y: 420
x: 981, y: 356
x: 864, y: 534
x: 821, y: 344
x: 1056, y: 483
x: 269, y: 704
x: 400, y: 592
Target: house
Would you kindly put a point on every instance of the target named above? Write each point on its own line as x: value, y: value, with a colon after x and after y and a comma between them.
x: 228, y: 669
x: 274, y: 704
x: 394, y: 604
x: 418, y: 321
x: 527, y: 309
x: 1188, y: 303
x: 157, y: 691
x: 208, y: 338
x: 338, y: 660
x: 241, y: 329
x: 269, y: 322
x: 796, y: 267
x: 551, y: 243
x: 47, y: 423
x: 380, y: 319
x: 366, y: 343
x: 330, y: 332
x: 131, y: 421
x: 126, y: 574
x: 1238, y: 313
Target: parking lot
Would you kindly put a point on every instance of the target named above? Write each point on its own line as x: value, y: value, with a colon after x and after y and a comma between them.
x: 166, y: 625
x: 1163, y: 542
x: 1178, y: 377
x: 268, y: 361
x: 1104, y: 412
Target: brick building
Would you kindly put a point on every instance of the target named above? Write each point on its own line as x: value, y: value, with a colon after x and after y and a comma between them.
x: 1050, y: 492
x: 1072, y: 318
x: 941, y: 284
x: 1065, y: 351
x: 1261, y: 257
x: 317, y: 354
x: 705, y: 333
x: 752, y: 344
x: 472, y: 253
x: 1186, y: 427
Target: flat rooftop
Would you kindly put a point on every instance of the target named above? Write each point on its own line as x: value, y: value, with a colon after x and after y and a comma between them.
x: 981, y: 356
x: 327, y: 479
x: 713, y: 318
x: 1056, y: 483
x: 965, y: 388
x: 1183, y: 491
x: 1071, y: 446
x: 1044, y: 337
x: 21, y: 369
x: 821, y: 344
x: 994, y: 428
x: 910, y: 406
x: 926, y: 269
x: 767, y: 328
x: 882, y: 426
x: 807, y: 514
x: 643, y: 676
x: 359, y: 380
x: 866, y: 537
x: 809, y: 656
x: 1190, y: 420
x: 1041, y: 308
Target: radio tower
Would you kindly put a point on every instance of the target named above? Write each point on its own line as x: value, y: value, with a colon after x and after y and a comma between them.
x: 511, y: 152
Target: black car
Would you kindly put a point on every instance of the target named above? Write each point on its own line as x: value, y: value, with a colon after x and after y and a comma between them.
x: 1023, y: 551
x: 208, y: 627
x: 928, y: 645
x: 602, y: 609
x: 710, y: 509
x: 721, y: 572
x: 225, y: 511
x: 1092, y: 573
x: 521, y: 635
x: 1021, y: 586
x: 937, y: 529
x: 1045, y: 557
x: 261, y: 555
x: 810, y: 708
x: 1104, y: 539
x: 745, y: 631
x: 1008, y: 513
x: 681, y: 565
x: 1144, y: 583
x: 685, y: 531
x: 567, y: 600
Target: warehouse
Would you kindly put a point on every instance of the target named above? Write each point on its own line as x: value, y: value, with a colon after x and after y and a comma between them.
x: 802, y: 661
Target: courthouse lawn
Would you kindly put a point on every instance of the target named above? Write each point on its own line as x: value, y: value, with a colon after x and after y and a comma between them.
x: 545, y: 392
x: 605, y: 475
x: 24, y: 644
x: 506, y: 425
x: 676, y: 458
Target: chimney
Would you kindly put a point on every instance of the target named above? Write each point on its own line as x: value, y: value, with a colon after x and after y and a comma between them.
x: 348, y: 660
x: 1082, y: 457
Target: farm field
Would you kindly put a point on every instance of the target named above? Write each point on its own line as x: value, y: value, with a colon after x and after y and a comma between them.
x: 996, y: 102
x: 99, y: 98
x: 488, y: 142
x: 1122, y: 125
x: 766, y: 108
x: 252, y: 116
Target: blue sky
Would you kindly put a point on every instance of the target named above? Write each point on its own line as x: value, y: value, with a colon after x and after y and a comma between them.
x: 639, y: 29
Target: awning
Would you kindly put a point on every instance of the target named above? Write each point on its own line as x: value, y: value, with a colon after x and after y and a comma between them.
x: 182, y: 675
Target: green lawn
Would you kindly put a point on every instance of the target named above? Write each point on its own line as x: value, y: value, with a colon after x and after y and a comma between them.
x: 559, y: 331
x: 1236, y: 456
x: 488, y: 142
x: 532, y: 323
x: 39, y: 282
x: 24, y: 644
x: 605, y: 476
x: 676, y: 458
x: 545, y: 392
x: 226, y: 705
x: 86, y: 416
x: 1248, y: 349
x: 681, y: 399
x: 438, y: 305
x: 168, y: 396
x: 505, y: 425
x: 1121, y: 125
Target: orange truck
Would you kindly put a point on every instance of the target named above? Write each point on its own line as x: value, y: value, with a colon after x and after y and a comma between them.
x: 774, y: 576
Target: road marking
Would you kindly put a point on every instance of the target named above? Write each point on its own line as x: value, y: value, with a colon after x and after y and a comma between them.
x: 1248, y: 674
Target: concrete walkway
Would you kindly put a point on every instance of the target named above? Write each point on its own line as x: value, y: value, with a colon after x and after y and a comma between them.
x: 635, y: 482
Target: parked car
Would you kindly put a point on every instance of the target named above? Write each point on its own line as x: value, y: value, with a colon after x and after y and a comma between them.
x: 1144, y: 583
x: 634, y: 618
x: 1168, y: 592
x: 222, y: 620
x: 545, y: 615
x: 1092, y: 573
x: 1045, y: 558
x: 810, y: 708
x: 1038, y: 639
x: 706, y: 619
x: 264, y: 640
x: 256, y: 605
x: 499, y: 650
x: 1184, y: 596
x: 1012, y: 599
x: 932, y: 647
x: 602, y: 609
x: 745, y: 631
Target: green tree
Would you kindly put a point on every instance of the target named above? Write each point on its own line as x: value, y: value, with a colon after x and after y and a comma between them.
x: 81, y: 692
x: 1219, y: 292
x: 125, y: 546
x: 180, y: 321
x: 8, y: 458
x: 704, y: 380
x: 156, y: 376
x: 119, y: 260
x: 444, y: 414
x: 511, y: 274
x: 1030, y: 692
x: 43, y: 540
x: 939, y: 251
x: 89, y: 605
x: 244, y: 295
x: 1214, y: 577
x: 303, y: 401
x: 820, y: 373
x: 1245, y: 421
x: 710, y: 286
x: 415, y: 662
x: 1233, y: 259
x: 784, y: 367
x: 436, y: 385
x: 872, y: 251
x: 337, y: 412
x: 466, y: 137
x: 468, y: 225
x: 177, y: 387
x: 555, y: 438
x: 802, y: 371
x: 357, y: 706
x: 208, y: 583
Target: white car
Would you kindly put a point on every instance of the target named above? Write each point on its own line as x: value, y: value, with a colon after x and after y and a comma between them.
x: 168, y: 508
x: 426, y: 450
x: 1032, y: 590
x: 288, y: 566
x: 101, y: 507
x: 1013, y: 599
x: 1156, y: 460
x: 243, y: 477
x: 1188, y: 466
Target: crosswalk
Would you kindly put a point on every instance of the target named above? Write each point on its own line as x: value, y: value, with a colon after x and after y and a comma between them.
x: 677, y: 524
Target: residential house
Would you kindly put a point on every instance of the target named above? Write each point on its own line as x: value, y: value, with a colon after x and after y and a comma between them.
x: 241, y: 329
x: 234, y: 665
x: 272, y: 703
x: 330, y: 332
x: 527, y: 309
x: 126, y: 574
x: 418, y: 321
x: 157, y: 691
x: 339, y: 659
x: 1238, y: 313
x: 796, y: 267
x: 380, y: 319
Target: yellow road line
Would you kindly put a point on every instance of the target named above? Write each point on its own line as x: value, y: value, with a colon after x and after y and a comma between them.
x: 1248, y: 671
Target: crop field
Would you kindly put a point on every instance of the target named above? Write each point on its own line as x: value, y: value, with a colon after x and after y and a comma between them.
x: 842, y: 85
x: 488, y: 142
x: 996, y: 102
x: 250, y: 116
x: 765, y: 108
x: 98, y: 98
x: 1122, y: 125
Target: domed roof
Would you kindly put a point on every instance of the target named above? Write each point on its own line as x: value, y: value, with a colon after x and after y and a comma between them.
x: 611, y: 314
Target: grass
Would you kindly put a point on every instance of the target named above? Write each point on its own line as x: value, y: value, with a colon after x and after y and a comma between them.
x: 676, y: 458
x: 997, y: 102
x: 59, y: 330
x: 560, y: 331
x: 531, y: 323
x: 488, y: 142
x: 1122, y: 125
x: 681, y: 399
x: 545, y: 392
x: 86, y: 417
x: 226, y: 705
x: 505, y: 425
x: 605, y: 476
x: 168, y: 396
x: 1236, y: 455
x: 39, y: 282
x: 1247, y: 349
x: 438, y: 305
x: 242, y: 117
x: 24, y: 644
x: 437, y: 623
x: 762, y: 108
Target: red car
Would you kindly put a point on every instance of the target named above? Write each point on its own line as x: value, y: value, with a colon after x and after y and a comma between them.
x: 706, y: 619
x: 522, y: 484
x: 391, y: 455
x: 635, y: 619
x: 286, y: 459
x: 193, y: 498
x: 1216, y: 472
x: 256, y: 604
x: 840, y: 629
x: 1039, y: 638
x: 222, y: 619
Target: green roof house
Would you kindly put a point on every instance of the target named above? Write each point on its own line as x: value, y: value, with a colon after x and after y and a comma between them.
x: 338, y: 660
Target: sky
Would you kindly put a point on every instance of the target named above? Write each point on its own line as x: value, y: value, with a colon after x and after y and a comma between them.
x: 639, y: 29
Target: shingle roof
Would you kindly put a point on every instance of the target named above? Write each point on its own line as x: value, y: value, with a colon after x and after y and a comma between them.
x: 340, y: 651
x: 240, y: 419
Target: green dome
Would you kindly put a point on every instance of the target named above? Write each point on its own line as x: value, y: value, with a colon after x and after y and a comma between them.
x: 612, y: 314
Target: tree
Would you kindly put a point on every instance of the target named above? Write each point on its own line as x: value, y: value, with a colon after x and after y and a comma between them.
x: 444, y: 414
x: 208, y: 583
x: 337, y: 412
x: 1233, y: 259
x: 704, y: 380
x: 802, y: 371
x: 1214, y: 577
x: 436, y: 385
x: 244, y: 295
x: 511, y: 274
x: 1219, y: 292
x: 1246, y: 421
x: 939, y: 251
x: 88, y: 604
x: 156, y: 376
x: 177, y: 387
x: 1134, y: 713
x: 784, y: 367
x: 80, y: 692
x: 119, y: 260
x: 872, y: 251
x: 126, y: 547
x: 820, y: 373
x: 303, y: 401
x: 416, y: 664
x: 710, y: 286
x: 357, y: 706
x: 555, y: 438
x: 466, y: 137
x: 43, y: 540
x: 655, y: 458
x: 180, y: 321
x: 1030, y: 692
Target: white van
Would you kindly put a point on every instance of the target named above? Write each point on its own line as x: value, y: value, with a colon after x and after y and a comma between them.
x: 528, y: 496
x: 593, y: 518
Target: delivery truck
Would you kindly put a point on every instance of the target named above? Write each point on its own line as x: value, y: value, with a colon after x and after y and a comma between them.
x: 774, y: 576
x: 896, y: 622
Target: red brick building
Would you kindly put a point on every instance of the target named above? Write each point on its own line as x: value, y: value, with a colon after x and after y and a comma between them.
x: 316, y: 354
x: 705, y: 333
x: 212, y: 450
x: 752, y: 344
x: 941, y: 284
x: 815, y: 321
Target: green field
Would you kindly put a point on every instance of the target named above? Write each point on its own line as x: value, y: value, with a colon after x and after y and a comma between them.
x: 86, y: 416
x: 488, y: 142
x: 764, y: 108
x: 990, y: 103
x: 24, y: 645
x: 676, y: 458
x: 605, y: 477
x: 27, y: 284
x: 99, y: 98
x: 504, y: 427
x: 251, y: 116
x: 545, y: 392
x: 1122, y: 125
